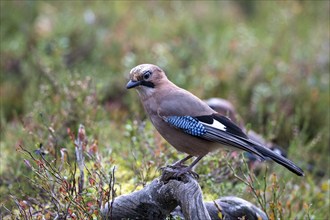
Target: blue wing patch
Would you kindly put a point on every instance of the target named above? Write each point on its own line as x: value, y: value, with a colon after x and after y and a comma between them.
x: 188, y: 124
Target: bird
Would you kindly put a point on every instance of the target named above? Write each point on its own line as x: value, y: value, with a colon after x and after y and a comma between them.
x: 189, y: 124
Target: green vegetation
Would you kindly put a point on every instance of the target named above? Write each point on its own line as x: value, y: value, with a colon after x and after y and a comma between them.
x: 66, y: 63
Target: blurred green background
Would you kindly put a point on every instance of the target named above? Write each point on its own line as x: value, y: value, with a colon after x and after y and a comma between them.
x: 66, y: 62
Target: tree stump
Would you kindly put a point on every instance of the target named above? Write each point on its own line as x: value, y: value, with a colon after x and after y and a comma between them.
x: 180, y: 197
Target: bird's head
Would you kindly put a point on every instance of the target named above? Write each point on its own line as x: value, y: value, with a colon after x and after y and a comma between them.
x: 145, y: 78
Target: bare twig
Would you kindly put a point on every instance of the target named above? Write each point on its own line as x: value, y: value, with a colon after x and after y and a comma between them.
x: 112, y: 193
x: 80, y: 144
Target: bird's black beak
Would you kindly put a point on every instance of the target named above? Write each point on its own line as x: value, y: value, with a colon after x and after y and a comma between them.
x: 132, y: 84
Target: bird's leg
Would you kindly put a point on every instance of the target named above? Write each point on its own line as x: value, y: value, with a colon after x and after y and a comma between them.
x: 188, y: 169
x: 179, y: 163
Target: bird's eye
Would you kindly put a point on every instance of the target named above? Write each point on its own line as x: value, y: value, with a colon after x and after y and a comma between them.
x: 146, y: 75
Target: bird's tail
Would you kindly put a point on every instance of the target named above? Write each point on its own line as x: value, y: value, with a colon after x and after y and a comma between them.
x: 244, y: 143
x: 277, y: 158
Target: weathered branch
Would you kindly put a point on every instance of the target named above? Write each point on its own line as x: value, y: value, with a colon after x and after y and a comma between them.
x: 178, y: 197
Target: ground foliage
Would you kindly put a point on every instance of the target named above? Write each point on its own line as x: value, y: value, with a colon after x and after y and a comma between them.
x: 66, y: 63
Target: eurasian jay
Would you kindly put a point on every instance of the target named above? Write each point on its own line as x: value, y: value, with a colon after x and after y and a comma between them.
x: 188, y: 123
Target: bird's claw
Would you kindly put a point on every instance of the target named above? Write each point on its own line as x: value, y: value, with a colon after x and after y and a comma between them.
x: 179, y: 170
x: 184, y: 171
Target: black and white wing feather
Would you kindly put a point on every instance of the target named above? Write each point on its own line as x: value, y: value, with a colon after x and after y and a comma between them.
x: 220, y: 129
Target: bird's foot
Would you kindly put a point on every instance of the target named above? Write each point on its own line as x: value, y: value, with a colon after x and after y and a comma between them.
x: 179, y: 170
x: 183, y: 170
x: 175, y: 166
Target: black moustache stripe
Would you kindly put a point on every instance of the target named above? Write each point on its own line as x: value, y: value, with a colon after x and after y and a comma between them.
x: 148, y: 84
